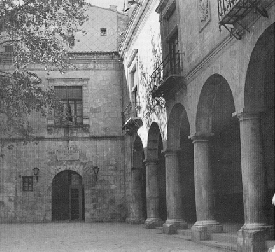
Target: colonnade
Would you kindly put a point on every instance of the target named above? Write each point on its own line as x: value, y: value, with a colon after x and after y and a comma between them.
x: 253, y: 178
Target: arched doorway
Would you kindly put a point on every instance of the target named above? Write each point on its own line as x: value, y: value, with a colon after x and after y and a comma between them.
x: 155, y: 179
x: 68, y: 201
x: 220, y: 129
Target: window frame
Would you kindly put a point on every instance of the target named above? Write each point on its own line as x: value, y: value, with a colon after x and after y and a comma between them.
x: 27, y: 183
x: 63, y: 122
x: 103, y: 31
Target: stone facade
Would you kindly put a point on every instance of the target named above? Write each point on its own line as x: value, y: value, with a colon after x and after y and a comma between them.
x: 216, y: 129
x: 97, y: 143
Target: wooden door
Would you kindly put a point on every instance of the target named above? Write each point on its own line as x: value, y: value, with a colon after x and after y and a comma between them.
x: 75, y: 202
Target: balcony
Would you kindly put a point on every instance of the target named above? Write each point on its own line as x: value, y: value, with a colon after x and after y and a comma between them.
x: 167, y: 77
x: 6, y: 57
x: 232, y: 13
x: 130, y: 121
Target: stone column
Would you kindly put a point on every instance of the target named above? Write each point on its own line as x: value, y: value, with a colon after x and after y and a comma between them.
x: 152, y: 195
x: 136, y: 204
x: 255, y: 231
x: 204, y: 192
x: 173, y: 195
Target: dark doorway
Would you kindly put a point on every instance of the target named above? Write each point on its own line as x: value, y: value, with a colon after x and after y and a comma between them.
x: 67, y: 197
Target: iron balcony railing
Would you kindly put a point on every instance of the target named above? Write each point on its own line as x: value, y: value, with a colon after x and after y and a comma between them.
x: 171, y: 65
x: 6, y: 57
x: 234, y: 10
x: 129, y: 112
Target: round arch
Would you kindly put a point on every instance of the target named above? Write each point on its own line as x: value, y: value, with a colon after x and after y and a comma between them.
x: 259, y: 100
x: 138, y: 184
x: 214, y: 120
x: 259, y: 89
x: 178, y: 122
x: 68, y: 196
x: 215, y: 107
x: 155, y: 153
x: 178, y: 140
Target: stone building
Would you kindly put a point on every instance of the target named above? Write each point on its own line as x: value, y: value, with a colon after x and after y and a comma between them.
x: 72, y: 171
x: 201, y: 119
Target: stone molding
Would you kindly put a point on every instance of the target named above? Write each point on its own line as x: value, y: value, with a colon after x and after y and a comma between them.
x: 151, y: 161
x: 201, y: 137
x: 243, y: 116
x: 207, y: 59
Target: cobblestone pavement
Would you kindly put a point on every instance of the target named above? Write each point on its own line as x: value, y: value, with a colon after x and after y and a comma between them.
x: 90, y: 237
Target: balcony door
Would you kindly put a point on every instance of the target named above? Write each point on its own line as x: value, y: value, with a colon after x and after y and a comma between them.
x: 173, y: 54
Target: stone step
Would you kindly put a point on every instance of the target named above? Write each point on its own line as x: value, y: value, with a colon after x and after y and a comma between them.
x: 224, y: 237
x: 220, y: 245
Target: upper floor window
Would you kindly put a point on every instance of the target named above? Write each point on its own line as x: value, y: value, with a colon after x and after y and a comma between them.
x: 173, y: 52
x: 8, y: 48
x: 103, y: 31
x: 72, y: 112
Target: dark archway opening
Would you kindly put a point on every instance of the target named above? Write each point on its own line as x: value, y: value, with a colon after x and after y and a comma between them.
x: 215, y: 110
x: 138, y: 180
x: 186, y: 162
x: 178, y: 140
x: 155, y: 152
x: 68, y: 201
x: 162, y: 181
x: 259, y: 98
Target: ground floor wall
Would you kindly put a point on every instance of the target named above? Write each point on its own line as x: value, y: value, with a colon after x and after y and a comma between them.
x: 104, y: 193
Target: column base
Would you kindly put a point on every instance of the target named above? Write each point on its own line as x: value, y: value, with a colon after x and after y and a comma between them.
x: 152, y: 223
x: 135, y: 220
x: 171, y: 226
x: 252, y: 237
x: 201, y: 230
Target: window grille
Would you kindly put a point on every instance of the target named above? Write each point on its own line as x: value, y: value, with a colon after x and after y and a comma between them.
x: 72, y: 112
x: 27, y: 183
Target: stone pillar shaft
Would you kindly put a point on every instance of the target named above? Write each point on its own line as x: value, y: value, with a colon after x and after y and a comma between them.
x: 173, y: 194
x: 136, y: 214
x: 255, y: 231
x: 203, y: 180
x: 204, y: 191
x: 152, y: 194
x: 253, y: 173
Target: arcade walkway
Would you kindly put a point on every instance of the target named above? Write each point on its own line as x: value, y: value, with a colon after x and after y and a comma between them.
x: 90, y: 237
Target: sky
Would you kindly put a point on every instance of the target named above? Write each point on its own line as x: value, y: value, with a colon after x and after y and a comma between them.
x: 107, y: 3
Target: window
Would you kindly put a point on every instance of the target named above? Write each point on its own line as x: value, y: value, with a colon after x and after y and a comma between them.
x: 27, y: 183
x: 72, y: 112
x: 173, y: 53
x: 103, y: 31
x: 9, y: 48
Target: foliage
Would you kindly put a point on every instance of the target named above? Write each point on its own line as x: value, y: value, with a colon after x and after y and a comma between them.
x: 153, y: 105
x: 40, y: 32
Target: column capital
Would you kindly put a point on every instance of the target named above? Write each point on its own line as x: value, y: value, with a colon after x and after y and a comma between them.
x: 169, y: 152
x: 201, y: 137
x: 243, y: 115
x: 150, y: 161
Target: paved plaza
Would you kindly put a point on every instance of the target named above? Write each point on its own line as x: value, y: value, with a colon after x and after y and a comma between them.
x: 91, y: 237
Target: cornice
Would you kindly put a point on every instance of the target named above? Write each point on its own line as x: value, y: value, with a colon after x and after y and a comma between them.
x: 134, y: 24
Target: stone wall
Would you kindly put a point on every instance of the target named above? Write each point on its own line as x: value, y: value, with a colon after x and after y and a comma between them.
x: 100, y: 143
